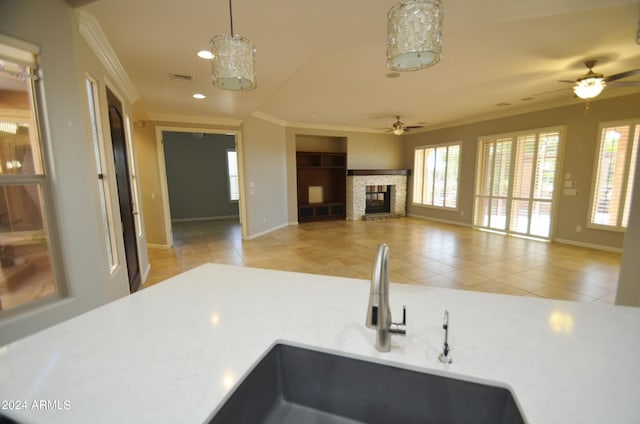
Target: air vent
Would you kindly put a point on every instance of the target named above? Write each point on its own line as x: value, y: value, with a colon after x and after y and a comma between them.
x: 181, y: 77
x: 503, y: 104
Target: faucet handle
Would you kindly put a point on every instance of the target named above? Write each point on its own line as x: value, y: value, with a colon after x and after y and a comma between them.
x: 400, y: 327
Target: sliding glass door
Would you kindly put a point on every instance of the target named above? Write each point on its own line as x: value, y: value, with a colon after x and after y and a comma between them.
x: 515, y: 180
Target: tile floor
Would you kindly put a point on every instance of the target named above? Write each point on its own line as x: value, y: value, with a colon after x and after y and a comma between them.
x: 422, y: 252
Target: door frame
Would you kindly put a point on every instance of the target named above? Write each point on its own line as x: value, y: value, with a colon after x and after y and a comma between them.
x: 162, y: 170
x: 136, y: 283
x: 558, y: 184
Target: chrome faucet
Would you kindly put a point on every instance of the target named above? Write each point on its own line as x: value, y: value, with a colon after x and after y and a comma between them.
x: 378, y: 313
x: 445, y: 356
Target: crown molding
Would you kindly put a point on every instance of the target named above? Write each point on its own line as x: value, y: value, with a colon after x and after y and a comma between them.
x: 92, y: 33
x: 270, y: 118
x: 303, y: 125
x: 311, y: 126
x: 78, y: 3
x: 184, y: 119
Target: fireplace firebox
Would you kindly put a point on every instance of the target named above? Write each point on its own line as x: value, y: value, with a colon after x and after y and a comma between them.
x: 378, y: 199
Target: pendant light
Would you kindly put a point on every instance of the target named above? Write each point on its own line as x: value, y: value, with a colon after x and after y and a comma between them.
x: 234, y: 61
x: 414, y: 35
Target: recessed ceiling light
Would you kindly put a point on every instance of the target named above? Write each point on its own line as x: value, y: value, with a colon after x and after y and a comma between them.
x: 205, y: 54
x: 199, y: 96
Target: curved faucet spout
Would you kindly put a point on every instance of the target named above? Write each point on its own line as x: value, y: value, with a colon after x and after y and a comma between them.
x: 378, y: 312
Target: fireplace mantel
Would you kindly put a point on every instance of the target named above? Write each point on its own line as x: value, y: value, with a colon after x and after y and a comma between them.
x: 406, y: 172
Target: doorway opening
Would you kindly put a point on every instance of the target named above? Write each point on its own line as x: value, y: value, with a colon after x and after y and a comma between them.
x: 200, y: 172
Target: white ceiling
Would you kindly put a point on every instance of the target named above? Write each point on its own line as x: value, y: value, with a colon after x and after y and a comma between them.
x: 322, y: 63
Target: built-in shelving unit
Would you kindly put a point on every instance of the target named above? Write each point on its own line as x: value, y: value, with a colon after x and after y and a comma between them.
x: 321, y: 178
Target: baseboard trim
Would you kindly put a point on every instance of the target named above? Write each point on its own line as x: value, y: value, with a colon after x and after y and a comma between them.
x: 145, y: 275
x: 158, y: 246
x: 262, y: 233
x: 589, y: 245
x: 206, y: 218
x: 444, y: 221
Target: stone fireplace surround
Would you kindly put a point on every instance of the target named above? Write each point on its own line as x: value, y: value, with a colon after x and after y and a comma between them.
x: 358, y: 179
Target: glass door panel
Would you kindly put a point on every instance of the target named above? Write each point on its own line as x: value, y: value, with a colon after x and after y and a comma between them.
x: 498, y: 217
x: 519, y: 222
x: 541, y: 219
x: 515, y: 183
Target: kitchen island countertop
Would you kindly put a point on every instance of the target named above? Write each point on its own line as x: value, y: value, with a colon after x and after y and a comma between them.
x: 170, y: 353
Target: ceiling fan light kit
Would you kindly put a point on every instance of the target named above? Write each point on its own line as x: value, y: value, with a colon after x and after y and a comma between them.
x: 591, y: 84
x: 399, y: 127
x: 414, y: 35
x: 589, y: 87
x: 234, y: 61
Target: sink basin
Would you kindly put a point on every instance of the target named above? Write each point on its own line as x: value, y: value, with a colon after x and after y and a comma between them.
x: 299, y: 385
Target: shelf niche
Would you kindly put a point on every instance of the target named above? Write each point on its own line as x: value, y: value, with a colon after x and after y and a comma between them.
x: 321, y: 166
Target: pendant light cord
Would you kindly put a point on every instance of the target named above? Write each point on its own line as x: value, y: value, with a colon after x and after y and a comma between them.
x: 231, y: 17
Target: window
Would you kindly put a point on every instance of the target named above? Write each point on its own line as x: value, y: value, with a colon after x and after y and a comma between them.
x: 232, y: 172
x: 435, y: 176
x: 515, y: 180
x: 613, y: 174
x: 28, y: 270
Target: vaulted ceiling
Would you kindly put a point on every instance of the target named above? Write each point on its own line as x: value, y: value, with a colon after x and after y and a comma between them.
x: 323, y: 64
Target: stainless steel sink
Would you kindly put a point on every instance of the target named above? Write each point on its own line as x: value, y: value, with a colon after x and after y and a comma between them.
x: 299, y: 385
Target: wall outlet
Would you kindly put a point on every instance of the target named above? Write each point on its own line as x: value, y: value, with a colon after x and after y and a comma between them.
x: 461, y: 213
x: 578, y: 228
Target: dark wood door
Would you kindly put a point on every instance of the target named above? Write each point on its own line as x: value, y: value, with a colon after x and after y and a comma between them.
x: 116, y: 124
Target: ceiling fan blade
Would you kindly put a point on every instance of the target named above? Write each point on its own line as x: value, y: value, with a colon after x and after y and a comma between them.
x: 624, y: 84
x: 409, y: 127
x: 622, y: 75
x: 557, y: 90
x: 568, y: 81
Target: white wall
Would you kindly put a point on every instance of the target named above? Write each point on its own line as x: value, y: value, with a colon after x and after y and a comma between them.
x: 628, y: 292
x: 50, y: 24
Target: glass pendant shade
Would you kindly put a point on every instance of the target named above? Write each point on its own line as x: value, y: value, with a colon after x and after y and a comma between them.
x: 233, y: 63
x: 398, y: 131
x: 588, y: 88
x: 414, y: 35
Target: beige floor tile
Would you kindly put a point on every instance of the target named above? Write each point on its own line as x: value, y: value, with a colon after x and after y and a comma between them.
x: 552, y: 292
x: 465, y: 277
x: 496, y: 287
x: 421, y: 252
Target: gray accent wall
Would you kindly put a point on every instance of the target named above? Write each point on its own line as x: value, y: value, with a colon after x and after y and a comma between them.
x: 197, y: 175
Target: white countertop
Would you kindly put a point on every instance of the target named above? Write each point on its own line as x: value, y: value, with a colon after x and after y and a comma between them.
x: 171, y: 352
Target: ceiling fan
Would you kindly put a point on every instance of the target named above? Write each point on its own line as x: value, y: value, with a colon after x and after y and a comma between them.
x: 591, y: 84
x: 399, y: 128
